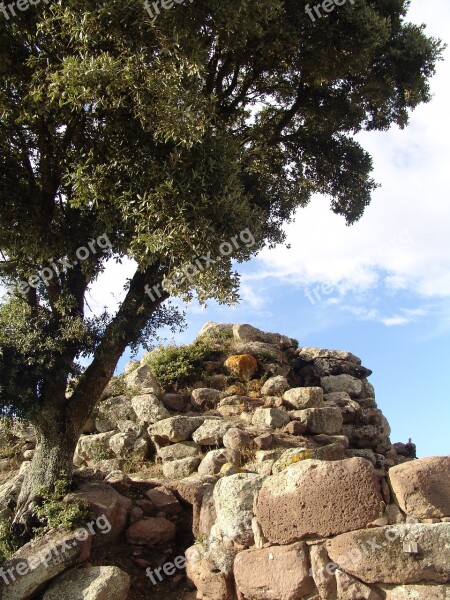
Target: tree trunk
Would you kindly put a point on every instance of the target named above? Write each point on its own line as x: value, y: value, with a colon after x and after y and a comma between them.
x: 52, y: 462
x: 59, y: 421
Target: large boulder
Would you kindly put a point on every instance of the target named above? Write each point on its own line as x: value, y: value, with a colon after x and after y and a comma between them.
x: 176, y: 429
x: 215, y: 459
x: 210, y: 568
x: 149, y: 409
x: 422, y: 487
x: 270, y: 417
x: 242, y: 366
x: 275, y: 386
x: 40, y: 560
x: 274, y: 573
x: 236, y: 439
x: 183, y: 467
x: 233, y: 500
x: 107, y: 504
x: 213, y: 329
x: 211, y: 432
x: 342, y: 383
x: 349, y: 588
x: 178, y: 451
x: 397, y: 554
x: 304, y: 397
x: 91, y: 448
x: 111, y: 411
x: 151, y: 531
x: 142, y: 378
x: 417, y: 592
x: 309, y: 354
x: 318, y: 498
x: 205, y: 397
x: 331, y: 366
x: 90, y: 583
x: 327, y: 420
x: 248, y: 333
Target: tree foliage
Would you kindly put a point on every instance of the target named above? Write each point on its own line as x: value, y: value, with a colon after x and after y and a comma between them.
x: 171, y: 137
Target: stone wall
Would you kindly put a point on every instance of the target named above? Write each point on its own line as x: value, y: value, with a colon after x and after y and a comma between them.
x: 285, y: 462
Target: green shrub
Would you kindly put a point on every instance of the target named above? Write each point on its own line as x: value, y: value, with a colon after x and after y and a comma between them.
x: 178, y: 366
x: 9, y: 543
x: 53, y: 513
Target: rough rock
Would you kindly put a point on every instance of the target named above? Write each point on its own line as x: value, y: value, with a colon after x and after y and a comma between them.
x: 273, y: 573
x: 242, y: 366
x: 331, y: 366
x: 205, y: 397
x: 321, y: 573
x: 178, y: 451
x: 350, y: 409
x: 39, y: 561
x: 211, y: 432
x: 304, y: 397
x: 342, y: 383
x: 275, y: 386
x: 270, y: 417
x: 310, y: 354
x: 236, y: 439
x: 349, y: 588
x: 326, y: 420
x: 142, y: 378
x: 111, y: 411
x: 176, y: 429
x: 122, y: 443
x: 213, y: 329
x: 422, y: 487
x: 164, y: 500
x: 151, y: 531
x: 175, y: 402
x: 215, y: 459
x: 93, y: 447
x: 209, y: 568
x: 417, y: 592
x: 92, y: 583
x: 318, y: 498
x: 149, y: 409
x: 379, y: 554
x: 183, y: 467
x: 105, y: 502
x: 233, y: 500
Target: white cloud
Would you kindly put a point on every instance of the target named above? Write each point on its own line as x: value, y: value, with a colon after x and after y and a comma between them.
x: 402, y: 241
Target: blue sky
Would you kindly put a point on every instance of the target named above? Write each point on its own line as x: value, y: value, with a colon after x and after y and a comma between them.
x: 382, y: 287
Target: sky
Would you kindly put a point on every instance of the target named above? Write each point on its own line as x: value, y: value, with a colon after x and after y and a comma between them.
x: 381, y: 288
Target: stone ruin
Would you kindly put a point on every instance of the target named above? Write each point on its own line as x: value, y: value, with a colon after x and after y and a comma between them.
x: 273, y: 474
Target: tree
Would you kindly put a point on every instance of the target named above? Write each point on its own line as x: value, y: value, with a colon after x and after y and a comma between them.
x: 157, y: 140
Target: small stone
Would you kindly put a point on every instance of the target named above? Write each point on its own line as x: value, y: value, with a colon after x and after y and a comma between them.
x: 264, y: 441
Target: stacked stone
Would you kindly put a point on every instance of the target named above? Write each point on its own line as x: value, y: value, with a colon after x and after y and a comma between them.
x: 286, y: 460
